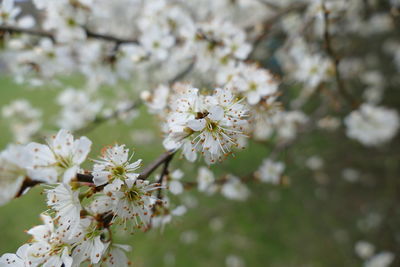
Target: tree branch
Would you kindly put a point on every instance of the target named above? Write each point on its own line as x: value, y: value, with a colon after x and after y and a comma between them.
x: 336, y: 61
x: 28, y: 183
x: 100, y: 120
x: 39, y: 33
x: 109, y: 38
x: 270, y: 22
x: 183, y: 73
x: 165, y: 157
x: 269, y: 4
x: 89, y: 34
x: 87, y: 177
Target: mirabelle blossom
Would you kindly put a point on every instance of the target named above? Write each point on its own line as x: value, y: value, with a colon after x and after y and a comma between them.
x: 60, y: 160
x: 13, y: 162
x: 372, y: 125
x: 270, y: 171
x: 207, y: 124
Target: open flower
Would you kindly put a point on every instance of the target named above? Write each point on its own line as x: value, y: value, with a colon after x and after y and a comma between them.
x: 15, y: 260
x: 250, y: 81
x: 116, y: 256
x: 212, y: 124
x: 270, y: 171
x: 372, y: 126
x: 66, y: 203
x: 90, y: 247
x: 234, y: 189
x: 206, y: 181
x: 13, y: 163
x: 49, y: 246
x: 115, y: 164
x: 133, y: 201
x: 8, y: 11
x: 61, y: 158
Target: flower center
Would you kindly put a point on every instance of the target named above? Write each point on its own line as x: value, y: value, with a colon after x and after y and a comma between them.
x: 212, y: 126
x: 119, y: 171
x: 134, y: 194
x: 64, y: 163
x: 253, y: 86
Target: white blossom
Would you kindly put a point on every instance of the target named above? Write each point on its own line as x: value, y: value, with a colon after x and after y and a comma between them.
x: 116, y: 256
x: 13, y: 162
x: 205, y: 180
x: 49, y: 246
x: 364, y: 249
x: 174, y: 184
x: 270, y: 171
x: 315, y: 163
x: 60, y: 159
x: 382, y: 259
x: 288, y: 123
x: 234, y: 189
x: 78, y: 109
x: 91, y: 247
x: 8, y: 12
x: 210, y: 125
x: 157, y: 100
x: 372, y: 126
x: 114, y: 164
x: 66, y: 203
x: 253, y: 82
x: 18, y: 259
x: 25, y: 120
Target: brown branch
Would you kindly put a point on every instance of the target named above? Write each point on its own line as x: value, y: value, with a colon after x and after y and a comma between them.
x: 165, y: 157
x: 164, y: 174
x: 336, y: 61
x: 40, y: 33
x: 270, y: 22
x: 183, y: 73
x: 89, y: 34
x: 28, y: 183
x: 269, y: 4
x: 99, y: 120
x: 109, y: 38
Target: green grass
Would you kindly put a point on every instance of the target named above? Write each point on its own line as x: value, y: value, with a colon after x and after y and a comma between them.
x: 308, y: 223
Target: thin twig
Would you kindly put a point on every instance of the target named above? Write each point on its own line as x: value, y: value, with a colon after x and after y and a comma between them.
x: 89, y: 34
x: 88, y: 177
x: 99, y: 120
x: 28, y: 183
x: 270, y: 22
x: 165, y: 157
x: 163, y: 175
x: 336, y: 61
x: 39, y: 33
x: 109, y: 38
x: 269, y: 4
x: 183, y: 73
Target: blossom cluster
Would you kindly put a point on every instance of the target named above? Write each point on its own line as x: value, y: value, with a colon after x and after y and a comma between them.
x: 75, y: 230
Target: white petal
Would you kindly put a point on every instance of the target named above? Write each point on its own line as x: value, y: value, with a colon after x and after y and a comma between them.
x: 81, y: 149
x: 197, y: 125
x: 216, y: 113
x: 253, y: 97
x: 176, y: 187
